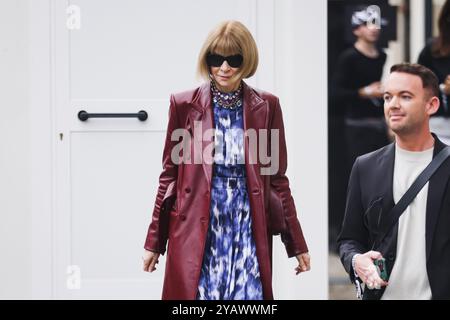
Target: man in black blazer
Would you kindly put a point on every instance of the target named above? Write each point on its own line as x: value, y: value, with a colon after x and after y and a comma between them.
x: 417, y: 249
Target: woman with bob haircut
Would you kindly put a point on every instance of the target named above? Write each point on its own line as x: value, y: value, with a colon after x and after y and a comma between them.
x: 216, y: 205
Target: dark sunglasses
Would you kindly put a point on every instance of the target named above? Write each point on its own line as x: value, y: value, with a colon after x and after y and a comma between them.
x: 216, y: 60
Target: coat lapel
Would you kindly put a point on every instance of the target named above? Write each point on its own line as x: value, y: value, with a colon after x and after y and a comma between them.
x: 202, y: 121
x: 436, y: 189
x: 386, y: 165
x: 255, y: 118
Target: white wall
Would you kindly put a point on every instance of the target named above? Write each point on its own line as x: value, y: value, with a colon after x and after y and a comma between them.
x: 301, y: 83
x: 15, y: 218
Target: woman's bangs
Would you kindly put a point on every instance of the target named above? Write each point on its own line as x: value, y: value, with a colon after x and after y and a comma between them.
x: 225, y: 46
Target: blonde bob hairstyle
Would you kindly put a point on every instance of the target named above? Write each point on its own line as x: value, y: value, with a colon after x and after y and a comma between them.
x: 230, y: 38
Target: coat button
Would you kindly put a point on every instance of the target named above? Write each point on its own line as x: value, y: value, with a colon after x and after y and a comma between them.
x: 203, y: 219
x: 255, y: 191
x: 182, y: 217
x: 187, y: 190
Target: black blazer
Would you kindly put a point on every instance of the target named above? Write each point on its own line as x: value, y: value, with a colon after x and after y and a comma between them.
x: 370, y: 199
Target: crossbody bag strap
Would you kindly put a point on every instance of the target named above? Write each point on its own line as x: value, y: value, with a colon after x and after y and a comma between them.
x: 411, y: 193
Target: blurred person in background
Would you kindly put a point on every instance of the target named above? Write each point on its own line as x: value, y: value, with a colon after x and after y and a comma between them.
x: 436, y: 57
x: 356, y: 87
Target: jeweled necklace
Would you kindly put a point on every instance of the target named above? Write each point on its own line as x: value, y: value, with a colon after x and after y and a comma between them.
x: 229, y: 100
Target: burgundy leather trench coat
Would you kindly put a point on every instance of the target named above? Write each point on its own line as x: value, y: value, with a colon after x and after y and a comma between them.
x: 182, y: 206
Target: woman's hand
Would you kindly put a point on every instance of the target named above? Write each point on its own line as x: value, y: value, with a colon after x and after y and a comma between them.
x: 304, y: 263
x: 150, y: 259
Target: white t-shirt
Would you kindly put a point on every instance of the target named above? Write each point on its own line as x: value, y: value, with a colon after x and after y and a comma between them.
x: 409, y: 279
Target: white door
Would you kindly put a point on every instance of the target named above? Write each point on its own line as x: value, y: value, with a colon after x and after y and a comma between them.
x: 122, y: 57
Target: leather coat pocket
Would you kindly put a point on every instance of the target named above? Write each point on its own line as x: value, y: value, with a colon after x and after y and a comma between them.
x: 276, y: 213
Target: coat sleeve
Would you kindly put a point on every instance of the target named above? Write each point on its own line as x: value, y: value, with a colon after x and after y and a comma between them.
x: 292, y: 237
x: 157, y: 234
x: 354, y: 234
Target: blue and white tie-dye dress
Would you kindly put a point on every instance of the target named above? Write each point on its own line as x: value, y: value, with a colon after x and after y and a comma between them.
x: 230, y: 269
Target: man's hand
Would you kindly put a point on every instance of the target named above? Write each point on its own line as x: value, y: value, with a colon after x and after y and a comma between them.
x: 304, y: 263
x: 150, y: 259
x: 367, y: 271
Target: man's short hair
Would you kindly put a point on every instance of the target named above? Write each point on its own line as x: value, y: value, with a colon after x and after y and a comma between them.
x: 429, y: 80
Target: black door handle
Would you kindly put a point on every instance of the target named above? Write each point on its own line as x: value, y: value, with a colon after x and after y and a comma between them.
x: 141, y: 115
